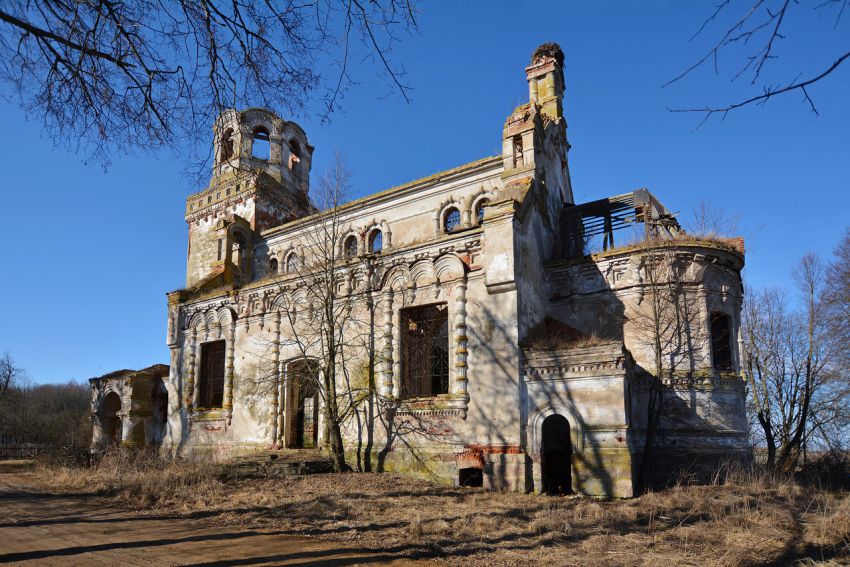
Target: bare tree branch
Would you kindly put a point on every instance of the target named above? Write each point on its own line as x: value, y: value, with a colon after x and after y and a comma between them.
x: 128, y: 75
x: 762, y: 23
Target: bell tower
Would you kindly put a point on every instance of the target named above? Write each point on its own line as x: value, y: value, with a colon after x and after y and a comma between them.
x: 260, y: 179
x: 534, y: 138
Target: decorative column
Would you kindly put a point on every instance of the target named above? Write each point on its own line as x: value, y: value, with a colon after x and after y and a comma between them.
x: 174, y: 380
x: 190, y: 371
x: 97, y: 432
x: 387, y: 386
x: 227, y: 402
x: 196, y: 394
x: 285, y: 433
x: 459, y: 389
x: 276, y: 389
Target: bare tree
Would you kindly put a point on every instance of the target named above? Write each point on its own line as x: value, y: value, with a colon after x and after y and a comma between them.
x: 754, y: 33
x: 837, y: 301
x: 110, y: 75
x: 664, y: 320
x: 709, y: 221
x: 10, y: 374
x: 795, y: 393
x: 329, y: 313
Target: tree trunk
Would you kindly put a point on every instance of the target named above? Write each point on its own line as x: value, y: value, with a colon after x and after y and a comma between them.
x: 769, y: 439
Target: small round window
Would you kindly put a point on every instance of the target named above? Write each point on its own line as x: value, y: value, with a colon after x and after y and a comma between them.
x: 451, y: 221
x: 350, y: 247
x: 376, y: 242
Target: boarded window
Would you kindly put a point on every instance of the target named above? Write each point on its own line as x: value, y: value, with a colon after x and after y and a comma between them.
x: 425, y: 350
x: 721, y: 347
x: 211, y: 386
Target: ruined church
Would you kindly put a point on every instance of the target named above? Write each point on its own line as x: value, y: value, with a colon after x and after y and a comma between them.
x: 494, y: 332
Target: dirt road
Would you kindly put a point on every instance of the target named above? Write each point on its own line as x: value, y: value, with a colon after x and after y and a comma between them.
x: 65, y: 529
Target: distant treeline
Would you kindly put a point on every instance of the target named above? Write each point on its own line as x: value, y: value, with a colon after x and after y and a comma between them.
x: 51, y: 414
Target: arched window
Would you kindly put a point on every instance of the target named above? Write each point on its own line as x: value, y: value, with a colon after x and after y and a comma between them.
x: 239, y: 252
x: 451, y: 220
x: 721, y: 344
x: 518, y: 157
x: 479, y: 210
x: 261, y: 148
x: 273, y: 266
x: 376, y: 242
x: 226, y: 145
x: 350, y: 247
x: 294, y: 157
x: 291, y: 263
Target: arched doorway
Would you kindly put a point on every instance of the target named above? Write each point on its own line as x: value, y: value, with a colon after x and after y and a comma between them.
x: 303, y: 405
x: 556, y: 453
x: 159, y: 412
x: 111, y: 423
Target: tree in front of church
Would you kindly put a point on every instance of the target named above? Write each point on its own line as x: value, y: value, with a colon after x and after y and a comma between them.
x: 328, y: 315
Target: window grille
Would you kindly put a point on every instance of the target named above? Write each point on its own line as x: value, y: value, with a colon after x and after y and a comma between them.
x: 452, y: 220
x: 211, y: 393
x: 425, y: 350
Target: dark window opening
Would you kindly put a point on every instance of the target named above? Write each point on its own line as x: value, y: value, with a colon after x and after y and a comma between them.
x: 470, y: 477
x: 425, y: 350
x: 518, y: 157
x: 451, y: 221
x: 262, y: 145
x: 239, y: 252
x: 294, y: 157
x: 226, y: 145
x: 211, y: 383
x: 350, y: 247
x: 376, y: 242
x: 273, y: 266
x: 721, y: 344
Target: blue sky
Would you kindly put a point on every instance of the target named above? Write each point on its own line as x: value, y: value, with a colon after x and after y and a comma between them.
x: 91, y: 255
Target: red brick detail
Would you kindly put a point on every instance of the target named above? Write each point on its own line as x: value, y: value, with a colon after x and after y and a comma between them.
x: 470, y: 458
x: 497, y: 449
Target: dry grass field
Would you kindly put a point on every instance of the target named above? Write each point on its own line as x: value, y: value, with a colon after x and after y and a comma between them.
x: 749, y: 520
